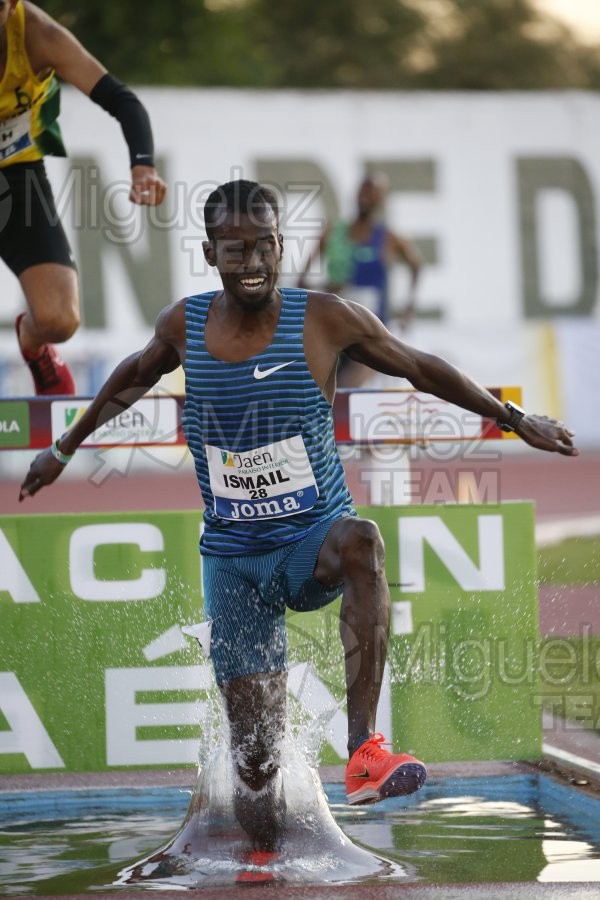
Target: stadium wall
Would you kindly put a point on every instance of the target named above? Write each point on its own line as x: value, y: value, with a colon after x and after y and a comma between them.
x: 500, y: 191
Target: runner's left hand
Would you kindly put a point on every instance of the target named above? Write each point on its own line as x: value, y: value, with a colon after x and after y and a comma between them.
x: 545, y: 433
x: 147, y: 187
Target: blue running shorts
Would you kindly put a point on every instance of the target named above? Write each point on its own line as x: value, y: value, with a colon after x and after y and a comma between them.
x: 246, y: 598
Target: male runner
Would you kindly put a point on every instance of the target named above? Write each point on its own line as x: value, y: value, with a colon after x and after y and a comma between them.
x: 279, y: 527
x: 34, y: 50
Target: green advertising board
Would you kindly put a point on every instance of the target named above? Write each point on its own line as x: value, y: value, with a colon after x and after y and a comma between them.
x: 95, y: 672
x: 14, y: 423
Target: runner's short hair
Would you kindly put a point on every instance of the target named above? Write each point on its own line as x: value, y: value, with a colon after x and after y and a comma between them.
x: 244, y: 197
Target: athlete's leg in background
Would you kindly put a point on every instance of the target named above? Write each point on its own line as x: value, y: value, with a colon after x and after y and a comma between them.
x: 52, y: 294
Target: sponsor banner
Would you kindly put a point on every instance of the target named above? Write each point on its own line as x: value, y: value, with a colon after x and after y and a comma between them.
x: 14, y: 423
x: 408, y: 416
x: 96, y: 673
x: 464, y: 651
x: 149, y: 421
x: 145, y: 424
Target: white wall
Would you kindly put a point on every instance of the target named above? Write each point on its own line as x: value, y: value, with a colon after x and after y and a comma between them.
x: 473, y: 157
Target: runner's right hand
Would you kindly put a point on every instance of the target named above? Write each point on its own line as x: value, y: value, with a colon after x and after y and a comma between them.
x: 43, y: 470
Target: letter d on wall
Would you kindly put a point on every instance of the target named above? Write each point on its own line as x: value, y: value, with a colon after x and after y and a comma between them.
x: 82, y: 546
x: 537, y: 177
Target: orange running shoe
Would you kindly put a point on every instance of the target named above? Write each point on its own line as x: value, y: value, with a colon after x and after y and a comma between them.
x: 51, y: 375
x: 373, y: 773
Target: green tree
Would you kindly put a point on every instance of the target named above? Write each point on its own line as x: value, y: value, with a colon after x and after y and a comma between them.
x: 399, y: 44
x: 182, y: 42
x: 340, y: 43
x: 504, y: 45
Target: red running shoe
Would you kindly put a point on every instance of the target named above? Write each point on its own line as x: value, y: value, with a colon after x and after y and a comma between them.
x: 373, y: 773
x: 51, y: 375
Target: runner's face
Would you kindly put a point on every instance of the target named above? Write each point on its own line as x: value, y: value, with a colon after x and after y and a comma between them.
x: 370, y: 196
x: 246, y: 249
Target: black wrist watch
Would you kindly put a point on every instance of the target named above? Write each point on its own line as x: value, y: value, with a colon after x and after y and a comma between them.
x: 516, y: 414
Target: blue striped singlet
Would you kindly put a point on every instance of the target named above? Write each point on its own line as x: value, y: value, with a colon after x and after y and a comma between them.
x: 261, y: 434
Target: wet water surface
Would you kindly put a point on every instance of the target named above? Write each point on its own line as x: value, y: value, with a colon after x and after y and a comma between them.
x: 455, y: 830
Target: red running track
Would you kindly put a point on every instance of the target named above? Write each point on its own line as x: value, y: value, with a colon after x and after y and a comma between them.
x: 562, y: 488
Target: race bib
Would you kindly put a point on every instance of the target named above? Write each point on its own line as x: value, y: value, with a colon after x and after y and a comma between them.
x: 265, y: 483
x: 15, y: 135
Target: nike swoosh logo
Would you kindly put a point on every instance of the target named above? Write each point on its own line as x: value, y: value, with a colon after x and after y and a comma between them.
x: 264, y: 373
x: 364, y: 774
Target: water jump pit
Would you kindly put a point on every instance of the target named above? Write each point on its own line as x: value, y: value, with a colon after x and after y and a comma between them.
x: 507, y: 824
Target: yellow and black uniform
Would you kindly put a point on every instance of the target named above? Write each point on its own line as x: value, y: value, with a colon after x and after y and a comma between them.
x: 29, y: 105
x: 30, y: 230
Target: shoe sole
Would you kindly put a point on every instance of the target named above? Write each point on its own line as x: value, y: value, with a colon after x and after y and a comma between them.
x: 406, y: 779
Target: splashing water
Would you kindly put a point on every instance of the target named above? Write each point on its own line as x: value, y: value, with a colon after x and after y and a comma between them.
x: 212, y: 849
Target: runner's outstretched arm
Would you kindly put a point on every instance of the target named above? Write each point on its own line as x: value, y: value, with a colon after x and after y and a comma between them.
x: 365, y: 339
x: 51, y: 46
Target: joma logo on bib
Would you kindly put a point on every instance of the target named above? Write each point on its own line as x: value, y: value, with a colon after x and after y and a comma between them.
x: 265, y: 509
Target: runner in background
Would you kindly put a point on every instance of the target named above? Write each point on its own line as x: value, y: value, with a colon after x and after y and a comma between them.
x: 358, y: 257
x: 34, y: 52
